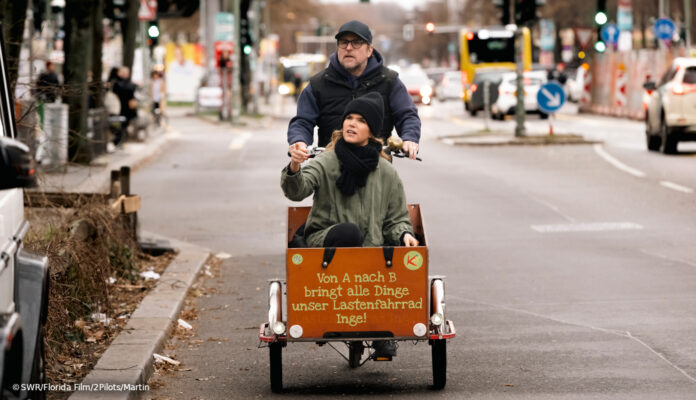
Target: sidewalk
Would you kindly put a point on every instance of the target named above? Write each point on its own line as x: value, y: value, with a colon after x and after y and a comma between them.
x: 125, y: 367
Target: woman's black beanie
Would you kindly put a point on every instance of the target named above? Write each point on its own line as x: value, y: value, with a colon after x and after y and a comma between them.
x: 371, y: 107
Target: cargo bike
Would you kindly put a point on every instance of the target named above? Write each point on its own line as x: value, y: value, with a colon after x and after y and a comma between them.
x: 355, y: 296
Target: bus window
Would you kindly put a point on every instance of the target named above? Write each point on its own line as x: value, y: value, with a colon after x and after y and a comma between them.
x: 491, y: 50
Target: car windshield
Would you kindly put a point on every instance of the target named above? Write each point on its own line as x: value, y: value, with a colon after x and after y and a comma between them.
x: 690, y: 75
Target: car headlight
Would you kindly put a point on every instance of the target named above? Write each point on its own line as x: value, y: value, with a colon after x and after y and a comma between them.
x: 283, y: 90
x: 426, y: 91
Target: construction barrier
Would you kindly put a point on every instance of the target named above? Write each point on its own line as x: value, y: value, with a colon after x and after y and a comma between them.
x: 614, y: 84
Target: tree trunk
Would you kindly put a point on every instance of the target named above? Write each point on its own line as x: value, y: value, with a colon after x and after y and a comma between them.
x: 78, y: 48
x: 13, y: 14
x: 97, y: 87
x: 129, y: 29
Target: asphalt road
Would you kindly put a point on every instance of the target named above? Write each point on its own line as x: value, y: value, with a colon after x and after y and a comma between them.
x: 568, y: 276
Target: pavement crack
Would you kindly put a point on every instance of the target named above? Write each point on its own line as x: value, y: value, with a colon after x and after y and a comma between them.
x: 624, y: 334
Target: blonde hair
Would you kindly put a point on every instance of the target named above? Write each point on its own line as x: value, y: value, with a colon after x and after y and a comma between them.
x: 338, y: 134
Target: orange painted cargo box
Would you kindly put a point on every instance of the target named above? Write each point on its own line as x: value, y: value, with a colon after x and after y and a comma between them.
x: 357, y: 293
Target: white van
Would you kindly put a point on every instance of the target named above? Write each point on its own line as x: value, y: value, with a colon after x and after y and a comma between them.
x: 23, y: 276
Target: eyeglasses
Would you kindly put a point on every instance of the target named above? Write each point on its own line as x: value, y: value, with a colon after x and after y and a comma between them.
x: 355, y: 43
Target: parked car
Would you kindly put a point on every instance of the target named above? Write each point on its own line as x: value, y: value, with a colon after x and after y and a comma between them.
x: 507, y: 94
x: 23, y: 276
x: 450, y: 86
x: 418, y: 85
x: 671, y: 113
x: 475, y: 89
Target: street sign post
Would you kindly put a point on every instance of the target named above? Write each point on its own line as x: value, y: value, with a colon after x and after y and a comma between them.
x: 610, y: 34
x: 664, y: 29
x: 550, y: 99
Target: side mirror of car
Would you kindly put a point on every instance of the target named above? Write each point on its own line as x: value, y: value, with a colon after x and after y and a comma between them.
x: 16, y: 165
x: 650, y: 85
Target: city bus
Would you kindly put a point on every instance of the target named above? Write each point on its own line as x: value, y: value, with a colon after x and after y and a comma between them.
x: 490, y: 48
x: 296, y: 69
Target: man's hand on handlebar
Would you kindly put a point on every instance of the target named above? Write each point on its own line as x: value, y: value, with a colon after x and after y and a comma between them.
x: 298, y: 155
x: 409, y: 240
x: 410, y: 148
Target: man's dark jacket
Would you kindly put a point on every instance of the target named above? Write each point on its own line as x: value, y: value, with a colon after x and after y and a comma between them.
x: 328, y: 93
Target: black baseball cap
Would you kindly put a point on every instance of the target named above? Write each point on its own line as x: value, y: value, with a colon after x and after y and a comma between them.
x: 357, y: 28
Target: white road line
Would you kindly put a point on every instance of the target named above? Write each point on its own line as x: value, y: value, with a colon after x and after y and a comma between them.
x: 553, y: 207
x: 618, y: 164
x: 238, y: 142
x: 587, y: 227
x: 677, y: 187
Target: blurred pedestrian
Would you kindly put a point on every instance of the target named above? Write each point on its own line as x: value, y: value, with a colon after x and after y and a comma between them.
x: 354, y: 70
x: 158, y: 92
x: 125, y: 89
x: 48, y: 85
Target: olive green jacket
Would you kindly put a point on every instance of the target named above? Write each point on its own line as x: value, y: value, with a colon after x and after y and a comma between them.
x: 379, y: 208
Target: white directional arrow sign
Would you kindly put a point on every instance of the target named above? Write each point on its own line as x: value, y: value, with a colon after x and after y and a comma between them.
x: 554, y: 100
x: 550, y: 97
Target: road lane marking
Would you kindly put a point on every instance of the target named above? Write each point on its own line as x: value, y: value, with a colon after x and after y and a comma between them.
x: 587, y: 227
x: 552, y: 207
x: 669, y: 258
x: 615, y: 332
x: 618, y: 164
x: 239, y: 142
x: 677, y: 187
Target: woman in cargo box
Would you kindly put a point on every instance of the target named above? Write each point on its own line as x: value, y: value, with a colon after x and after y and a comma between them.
x: 359, y: 199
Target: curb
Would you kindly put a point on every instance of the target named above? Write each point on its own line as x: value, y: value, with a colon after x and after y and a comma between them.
x: 96, y: 177
x: 507, y: 140
x: 128, y: 360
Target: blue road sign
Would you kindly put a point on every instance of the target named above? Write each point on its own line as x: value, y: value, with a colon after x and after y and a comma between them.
x: 550, y: 97
x: 610, y: 33
x: 664, y: 28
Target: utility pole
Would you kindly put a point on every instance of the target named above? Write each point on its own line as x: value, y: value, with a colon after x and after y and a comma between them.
x: 519, y: 109
x: 236, y: 84
x: 687, y: 23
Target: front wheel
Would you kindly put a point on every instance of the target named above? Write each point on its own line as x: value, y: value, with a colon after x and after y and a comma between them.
x: 439, y: 353
x: 276, y: 358
x: 668, y: 143
x: 355, y: 352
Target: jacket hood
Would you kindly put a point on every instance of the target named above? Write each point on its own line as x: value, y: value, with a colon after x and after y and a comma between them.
x: 373, y: 63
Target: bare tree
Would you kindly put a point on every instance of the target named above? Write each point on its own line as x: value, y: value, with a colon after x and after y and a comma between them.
x: 129, y: 30
x: 97, y: 88
x: 14, y: 13
x: 78, y: 48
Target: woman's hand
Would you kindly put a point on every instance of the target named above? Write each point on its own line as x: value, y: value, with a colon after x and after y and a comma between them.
x: 298, y: 155
x: 410, y: 241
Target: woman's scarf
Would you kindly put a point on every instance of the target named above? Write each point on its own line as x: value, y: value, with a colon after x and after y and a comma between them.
x: 356, y: 163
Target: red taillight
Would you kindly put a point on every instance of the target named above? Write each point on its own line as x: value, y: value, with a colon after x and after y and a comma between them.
x: 470, y: 35
x: 474, y: 87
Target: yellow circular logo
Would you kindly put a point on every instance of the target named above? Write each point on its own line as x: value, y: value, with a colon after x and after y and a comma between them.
x: 413, y: 260
x: 297, y: 259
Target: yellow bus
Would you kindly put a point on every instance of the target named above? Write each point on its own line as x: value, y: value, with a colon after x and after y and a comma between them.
x: 491, y: 48
x: 296, y: 69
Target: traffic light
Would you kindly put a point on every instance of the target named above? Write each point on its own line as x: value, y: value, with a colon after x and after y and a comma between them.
x: 600, y: 18
x: 153, y: 33
x: 525, y: 12
x: 430, y: 27
x: 504, y: 6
